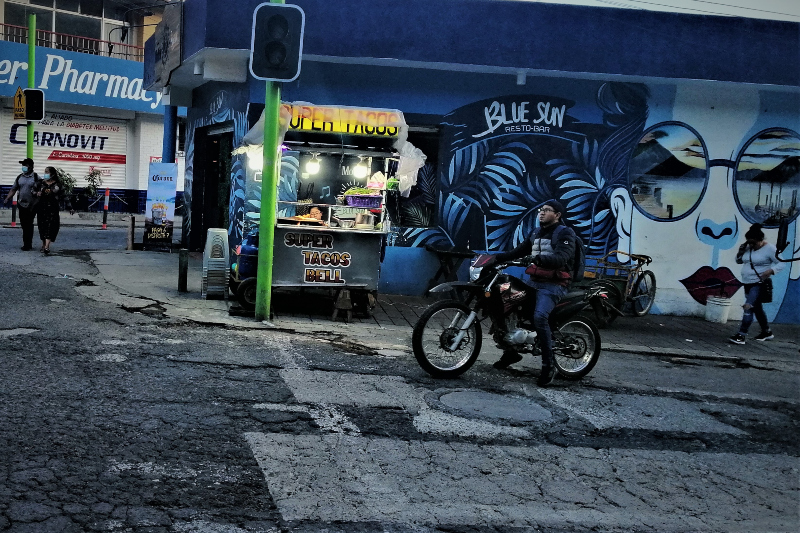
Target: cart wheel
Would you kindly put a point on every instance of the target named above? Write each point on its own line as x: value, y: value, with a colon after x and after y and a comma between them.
x: 246, y: 294
x: 643, y: 293
x: 364, y: 301
x: 233, y: 286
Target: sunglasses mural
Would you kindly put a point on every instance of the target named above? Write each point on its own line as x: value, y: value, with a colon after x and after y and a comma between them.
x: 678, y: 173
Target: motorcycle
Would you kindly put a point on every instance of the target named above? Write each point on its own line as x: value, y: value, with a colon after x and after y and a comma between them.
x: 447, y: 338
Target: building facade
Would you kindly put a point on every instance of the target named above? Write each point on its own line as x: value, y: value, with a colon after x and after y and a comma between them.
x: 98, y: 115
x: 662, y: 134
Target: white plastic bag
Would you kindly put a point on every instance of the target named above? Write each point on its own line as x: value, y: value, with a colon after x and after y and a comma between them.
x: 411, y: 160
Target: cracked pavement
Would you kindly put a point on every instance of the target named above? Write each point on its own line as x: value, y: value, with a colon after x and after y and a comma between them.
x: 119, y: 416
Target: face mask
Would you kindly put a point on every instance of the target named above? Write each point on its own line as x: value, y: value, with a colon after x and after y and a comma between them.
x: 24, y: 170
x: 47, y: 176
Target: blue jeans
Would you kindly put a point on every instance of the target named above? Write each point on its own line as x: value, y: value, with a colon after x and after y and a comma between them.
x: 547, y: 296
x: 756, y: 310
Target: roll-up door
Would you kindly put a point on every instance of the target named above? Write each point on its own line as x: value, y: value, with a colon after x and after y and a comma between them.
x: 74, y: 143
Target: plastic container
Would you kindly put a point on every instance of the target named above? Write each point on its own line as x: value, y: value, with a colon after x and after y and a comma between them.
x: 717, y: 309
x: 364, y: 200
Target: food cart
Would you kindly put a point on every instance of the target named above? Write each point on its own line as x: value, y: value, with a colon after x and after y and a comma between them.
x: 331, y: 223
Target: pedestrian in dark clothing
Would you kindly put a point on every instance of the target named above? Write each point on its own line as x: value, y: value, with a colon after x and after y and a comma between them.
x: 759, y: 264
x: 26, y: 204
x: 50, y: 192
x: 550, y: 274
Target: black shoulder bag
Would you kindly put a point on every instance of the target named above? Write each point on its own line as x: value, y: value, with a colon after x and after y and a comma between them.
x: 764, y: 286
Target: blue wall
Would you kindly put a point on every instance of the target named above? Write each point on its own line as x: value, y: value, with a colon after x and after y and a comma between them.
x: 524, y: 35
x: 407, y: 270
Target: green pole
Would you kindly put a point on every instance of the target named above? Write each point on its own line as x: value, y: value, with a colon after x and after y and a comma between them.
x: 269, y: 190
x: 31, y: 73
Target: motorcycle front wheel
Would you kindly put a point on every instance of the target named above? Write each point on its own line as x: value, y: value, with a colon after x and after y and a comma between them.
x: 576, y: 346
x: 435, y: 335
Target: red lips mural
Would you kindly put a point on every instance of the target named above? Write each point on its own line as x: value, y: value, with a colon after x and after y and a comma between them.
x: 708, y: 281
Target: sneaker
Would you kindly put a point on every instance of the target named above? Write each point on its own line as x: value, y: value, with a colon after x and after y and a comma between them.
x: 737, y: 339
x: 765, y: 336
x: 547, y: 376
x: 26, y: 248
x: 508, y: 359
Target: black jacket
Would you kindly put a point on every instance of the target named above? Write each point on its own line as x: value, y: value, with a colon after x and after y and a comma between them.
x: 558, y: 256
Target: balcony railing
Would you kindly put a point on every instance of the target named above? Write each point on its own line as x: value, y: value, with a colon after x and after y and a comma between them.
x: 73, y: 43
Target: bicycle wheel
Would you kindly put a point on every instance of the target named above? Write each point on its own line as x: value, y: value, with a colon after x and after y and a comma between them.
x: 576, y: 346
x: 643, y: 293
x: 436, y: 332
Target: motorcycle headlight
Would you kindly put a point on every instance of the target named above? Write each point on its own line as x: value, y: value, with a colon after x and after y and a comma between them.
x: 474, y: 273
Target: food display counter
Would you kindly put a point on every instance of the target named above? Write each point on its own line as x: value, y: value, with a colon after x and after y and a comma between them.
x: 331, y: 223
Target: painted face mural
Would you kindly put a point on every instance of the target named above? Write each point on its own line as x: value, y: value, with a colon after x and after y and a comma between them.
x: 698, y: 177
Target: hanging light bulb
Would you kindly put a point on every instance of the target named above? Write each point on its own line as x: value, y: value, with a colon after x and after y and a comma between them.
x: 312, y: 166
x: 360, y: 170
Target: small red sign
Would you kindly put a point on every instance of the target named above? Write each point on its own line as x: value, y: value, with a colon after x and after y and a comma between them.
x: 66, y: 155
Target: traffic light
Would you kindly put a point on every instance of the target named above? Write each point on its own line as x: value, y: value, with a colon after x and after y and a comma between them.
x: 277, y: 44
x: 34, y: 104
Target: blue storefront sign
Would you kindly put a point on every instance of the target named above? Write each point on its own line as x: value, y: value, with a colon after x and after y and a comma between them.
x: 75, y: 78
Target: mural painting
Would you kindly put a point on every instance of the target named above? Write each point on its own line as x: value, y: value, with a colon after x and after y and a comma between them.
x: 224, y: 106
x: 680, y: 178
x: 699, y: 176
x: 676, y: 172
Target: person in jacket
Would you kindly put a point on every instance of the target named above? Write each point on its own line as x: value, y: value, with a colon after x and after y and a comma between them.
x: 25, y: 185
x: 50, y: 192
x: 759, y: 264
x: 550, y: 274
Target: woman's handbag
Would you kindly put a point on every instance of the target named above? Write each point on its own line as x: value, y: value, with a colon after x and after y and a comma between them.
x: 764, y: 286
x: 765, y: 291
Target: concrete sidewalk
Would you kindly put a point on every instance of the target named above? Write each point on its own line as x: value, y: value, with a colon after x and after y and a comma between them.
x: 80, y: 218
x: 147, y: 282
x: 154, y: 277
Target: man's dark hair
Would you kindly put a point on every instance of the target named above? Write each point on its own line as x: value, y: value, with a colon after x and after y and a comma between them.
x: 556, y: 205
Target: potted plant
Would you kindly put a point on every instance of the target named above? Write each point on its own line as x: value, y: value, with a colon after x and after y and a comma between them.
x: 93, y: 182
x: 68, y: 184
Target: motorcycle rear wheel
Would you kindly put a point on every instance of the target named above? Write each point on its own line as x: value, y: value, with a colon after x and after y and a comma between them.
x: 603, y: 316
x: 434, y: 334
x: 576, y: 346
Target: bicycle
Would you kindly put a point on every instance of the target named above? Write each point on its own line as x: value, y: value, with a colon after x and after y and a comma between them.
x: 629, y: 287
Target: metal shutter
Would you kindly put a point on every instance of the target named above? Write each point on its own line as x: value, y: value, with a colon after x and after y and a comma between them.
x: 75, y: 143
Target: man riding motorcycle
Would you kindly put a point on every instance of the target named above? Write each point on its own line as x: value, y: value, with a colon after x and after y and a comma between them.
x: 552, y: 263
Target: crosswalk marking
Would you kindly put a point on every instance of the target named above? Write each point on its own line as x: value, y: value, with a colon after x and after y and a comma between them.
x: 336, y: 477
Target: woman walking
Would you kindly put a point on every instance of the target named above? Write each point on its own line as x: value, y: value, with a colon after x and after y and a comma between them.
x: 757, y: 258
x: 50, y: 192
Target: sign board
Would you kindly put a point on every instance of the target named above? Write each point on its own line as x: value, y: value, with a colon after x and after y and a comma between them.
x: 159, y: 213
x: 19, y: 104
x: 83, y: 79
x: 74, y: 143
x: 310, y: 257
x: 167, y: 41
x: 348, y: 120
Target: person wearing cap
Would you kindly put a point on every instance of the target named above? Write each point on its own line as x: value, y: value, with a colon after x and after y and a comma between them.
x: 550, y: 275
x: 25, y: 183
